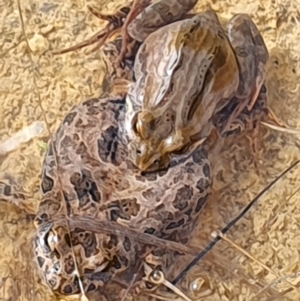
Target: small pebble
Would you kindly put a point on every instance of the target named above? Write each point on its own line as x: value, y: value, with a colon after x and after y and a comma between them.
x: 38, y: 43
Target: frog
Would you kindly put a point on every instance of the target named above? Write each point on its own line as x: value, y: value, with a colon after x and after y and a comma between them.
x: 168, y: 115
x: 87, y: 181
x: 91, y: 172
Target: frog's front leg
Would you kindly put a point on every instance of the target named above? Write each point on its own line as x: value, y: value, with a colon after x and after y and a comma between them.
x: 252, y: 55
x: 12, y: 193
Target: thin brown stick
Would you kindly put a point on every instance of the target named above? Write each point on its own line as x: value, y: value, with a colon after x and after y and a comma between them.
x: 113, y: 228
x: 275, y: 282
x: 23, y: 25
x: 225, y: 238
x: 33, y: 65
x: 132, y: 282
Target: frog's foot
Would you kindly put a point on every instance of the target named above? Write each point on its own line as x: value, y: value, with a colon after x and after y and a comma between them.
x: 234, y: 115
x: 137, y: 7
x: 241, y: 111
x: 11, y: 193
x: 116, y: 22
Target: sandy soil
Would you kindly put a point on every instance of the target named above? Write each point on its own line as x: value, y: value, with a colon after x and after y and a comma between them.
x: 37, y: 86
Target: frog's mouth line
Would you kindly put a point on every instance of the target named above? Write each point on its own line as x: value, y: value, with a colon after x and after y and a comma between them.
x: 173, y: 163
x: 147, y: 172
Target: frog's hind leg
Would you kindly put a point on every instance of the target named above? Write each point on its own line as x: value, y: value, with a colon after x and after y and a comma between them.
x: 247, y: 121
x: 146, y: 17
x: 11, y: 192
x: 137, y: 7
x: 253, y: 139
x: 252, y: 55
x: 116, y: 21
x: 251, y: 120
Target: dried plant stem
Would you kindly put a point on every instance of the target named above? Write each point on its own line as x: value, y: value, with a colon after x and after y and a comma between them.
x: 83, y: 296
x: 280, y: 129
x: 33, y: 65
x: 225, y: 238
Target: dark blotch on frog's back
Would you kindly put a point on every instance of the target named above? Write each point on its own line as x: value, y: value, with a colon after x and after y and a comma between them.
x: 183, y: 195
x: 85, y: 187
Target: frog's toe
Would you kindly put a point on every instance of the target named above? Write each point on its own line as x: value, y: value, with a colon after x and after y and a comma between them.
x: 11, y: 192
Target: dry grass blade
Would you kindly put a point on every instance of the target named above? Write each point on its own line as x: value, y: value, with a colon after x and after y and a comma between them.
x: 132, y: 282
x: 110, y: 227
x: 254, y: 259
x: 99, y: 37
x: 275, y: 282
x: 280, y: 295
x: 114, y: 25
x: 98, y: 14
x: 102, y: 41
x: 23, y: 26
x: 163, y: 298
x: 280, y: 129
x: 231, y: 224
x: 33, y: 65
x: 83, y: 297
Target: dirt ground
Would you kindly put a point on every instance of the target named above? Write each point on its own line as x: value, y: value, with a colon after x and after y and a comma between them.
x: 39, y: 87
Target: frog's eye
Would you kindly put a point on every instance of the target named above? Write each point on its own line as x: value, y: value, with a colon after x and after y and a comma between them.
x: 135, y: 126
x: 156, y: 162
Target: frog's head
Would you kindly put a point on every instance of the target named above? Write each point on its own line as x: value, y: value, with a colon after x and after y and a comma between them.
x: 154, y: 140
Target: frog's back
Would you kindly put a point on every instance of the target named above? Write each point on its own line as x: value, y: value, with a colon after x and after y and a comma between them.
x: 172, y: 65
